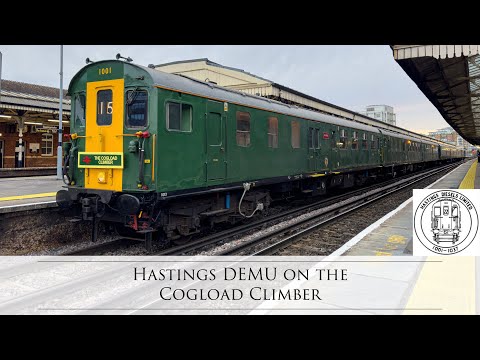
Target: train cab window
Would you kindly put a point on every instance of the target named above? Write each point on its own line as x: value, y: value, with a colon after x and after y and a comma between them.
x: 436, y: 211
x: 136, y: 109
x: 373, y: 144
x: 79, y: 110
x: 104, y: 107
x: 342, y: 144
x: 295, y: 126
x: 454, y: 211
x: 273, y: 132
x: 364, y: 142
x: 355, y: 140
x: 243, y: 128
x: 179, y: 117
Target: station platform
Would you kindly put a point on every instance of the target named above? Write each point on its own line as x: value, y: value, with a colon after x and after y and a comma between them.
x: 29, y: 171
x: 392, y: 234
x: 22, y: 193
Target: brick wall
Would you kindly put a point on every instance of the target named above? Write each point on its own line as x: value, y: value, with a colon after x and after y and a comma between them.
x: 31, y: 159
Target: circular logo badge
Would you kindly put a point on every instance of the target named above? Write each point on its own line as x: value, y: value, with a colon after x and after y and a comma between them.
x: 446, y: 222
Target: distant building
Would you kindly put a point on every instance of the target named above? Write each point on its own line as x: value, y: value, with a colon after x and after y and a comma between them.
x: 447, y: 135
x: 450, y: 136
x: 382, y: 113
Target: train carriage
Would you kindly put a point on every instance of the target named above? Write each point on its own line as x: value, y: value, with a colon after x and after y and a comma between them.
x: 161, y: 153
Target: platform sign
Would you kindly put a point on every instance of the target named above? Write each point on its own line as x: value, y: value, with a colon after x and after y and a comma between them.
x: 100, y: 160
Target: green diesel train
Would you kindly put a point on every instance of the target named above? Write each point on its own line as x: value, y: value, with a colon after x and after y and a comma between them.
x: 160, y: 153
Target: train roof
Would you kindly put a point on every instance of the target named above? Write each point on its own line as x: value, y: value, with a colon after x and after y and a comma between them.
x: 211, y: 91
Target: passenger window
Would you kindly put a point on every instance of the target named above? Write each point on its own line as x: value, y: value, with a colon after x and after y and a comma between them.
x: 355, y: 140
x: 373, y: 143
x: 136, y: 109
x: 364, y: 142
x: 273, y: 132
x: 79, y: 110
x: 104, y: 107
x: 179, y: 117
x: 295, y: 126
x: 342, y: 144
x: 243, y: 128
x: 316, y: 139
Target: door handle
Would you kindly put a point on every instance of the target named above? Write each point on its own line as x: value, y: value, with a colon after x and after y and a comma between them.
x: 222, y: 149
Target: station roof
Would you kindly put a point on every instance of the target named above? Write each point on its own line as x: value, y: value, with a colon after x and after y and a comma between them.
x: 19, y: 99
x: 449, y: 76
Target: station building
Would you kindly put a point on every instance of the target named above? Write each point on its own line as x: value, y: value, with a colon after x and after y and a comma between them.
x: 237, y: 79
x: 29, y: 121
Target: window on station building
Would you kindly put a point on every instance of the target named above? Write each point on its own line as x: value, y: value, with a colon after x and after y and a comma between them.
x: 364, y: 142
x: 273, y: 132
x: 179, y: 117
x: 47, y: 145
x: 79, y: 110
x: 373, y: 143
x: 136, y: 109
x: 295, y: 140
x: 243, y: 128
x: 355, y: 140
x: 342, y: 144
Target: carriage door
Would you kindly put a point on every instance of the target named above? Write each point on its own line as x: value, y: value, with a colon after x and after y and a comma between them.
x: 102, y: 159
x: 215, y: 133
x: 312, y: 156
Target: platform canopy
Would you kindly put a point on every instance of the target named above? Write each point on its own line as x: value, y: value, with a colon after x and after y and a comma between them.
x: 29, y: 102
x: 449, y: 76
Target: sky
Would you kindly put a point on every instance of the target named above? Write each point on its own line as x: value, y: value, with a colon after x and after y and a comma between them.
x: 351, y: 76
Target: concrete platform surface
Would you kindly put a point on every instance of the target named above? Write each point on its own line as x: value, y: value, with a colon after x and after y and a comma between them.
x: 28, y: 190
x: 392, y: 234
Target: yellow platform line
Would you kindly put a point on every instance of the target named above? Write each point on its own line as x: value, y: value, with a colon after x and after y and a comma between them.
x: 449, y: 285
x: 468, y: 181
x: 28, y: 196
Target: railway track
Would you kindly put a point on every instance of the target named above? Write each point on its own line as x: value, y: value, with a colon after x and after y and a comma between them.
x: 290, y: 234
x: 388, y: 187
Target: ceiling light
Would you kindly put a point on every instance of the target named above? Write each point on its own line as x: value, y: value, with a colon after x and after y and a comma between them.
x: 32, y: 123
x: 5, y: 116
x: 63, y: 121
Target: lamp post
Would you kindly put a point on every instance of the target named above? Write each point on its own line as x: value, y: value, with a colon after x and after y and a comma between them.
x: 60, y: 123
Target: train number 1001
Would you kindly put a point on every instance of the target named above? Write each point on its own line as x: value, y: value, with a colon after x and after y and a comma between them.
x: 105, y: 71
